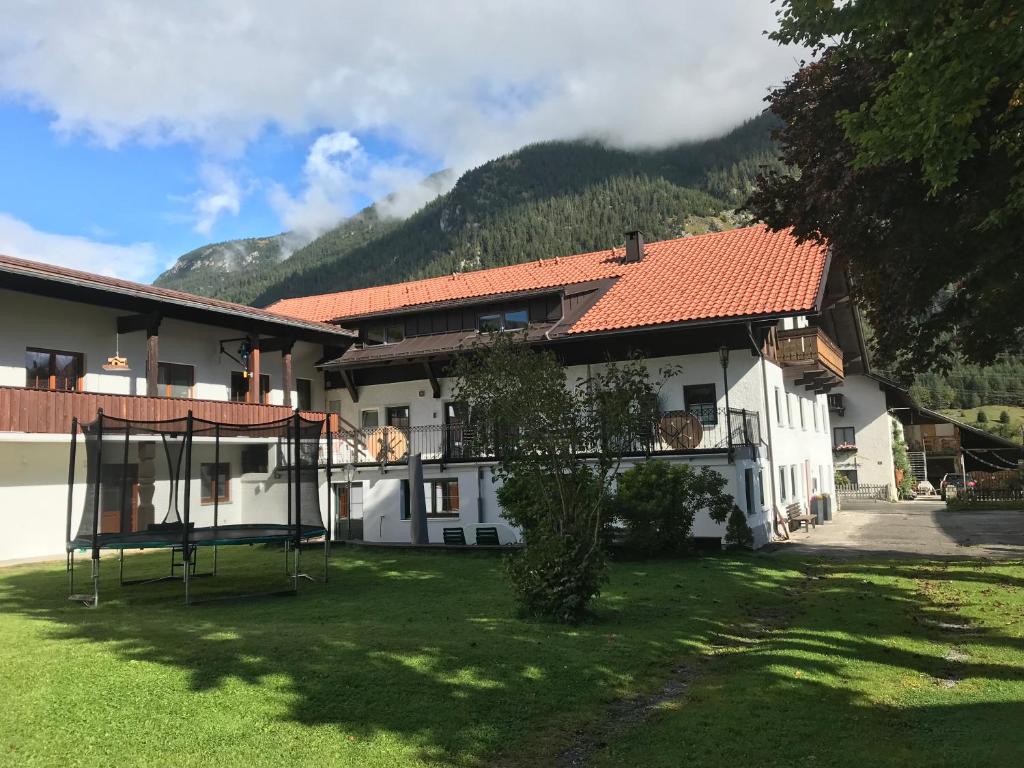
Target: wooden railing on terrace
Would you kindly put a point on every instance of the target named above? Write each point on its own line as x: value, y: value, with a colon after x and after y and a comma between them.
x: 809, y: 346
x: 48, y: 411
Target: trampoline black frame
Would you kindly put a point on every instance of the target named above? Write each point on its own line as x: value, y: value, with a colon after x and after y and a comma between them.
x: 188, y: 546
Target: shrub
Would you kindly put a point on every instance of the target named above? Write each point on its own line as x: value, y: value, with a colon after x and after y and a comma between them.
x: 658, y: 501
x: 982, y: 417
x: 558, y: 572
x: 1004, y: 417
x: 737, y: 533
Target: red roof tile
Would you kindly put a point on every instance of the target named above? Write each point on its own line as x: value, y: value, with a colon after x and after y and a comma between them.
x: 739, y: 273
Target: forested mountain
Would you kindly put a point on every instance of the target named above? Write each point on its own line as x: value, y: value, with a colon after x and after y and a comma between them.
x: 970, y: 386
x: 548, y: 199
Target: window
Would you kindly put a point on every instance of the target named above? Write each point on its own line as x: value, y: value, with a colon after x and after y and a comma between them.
x: 489, y: 323
x: 778, y: 406
x: 369, y: 418
x: 760, y: 487
x: 175, y: 379
x: 255, y: 459
x: 816, y: 419
x: 390, y: 333
x: 794, y: 488
x: 789, y: 409
x: 513, y: 319
x: 843, y: 437
x: 214, y: 482
x: 803, y: 419
x: 304, y: 394
x: 49, y: 369
x: 700, y: 400
x: 443, y: 500
x: 849, y: 474
x: 404, y: 501
x: 516, y: 319
x: 334, y: 406
x: 782, y: 485
x: 748, y: 488
x: 397, y: 416
x: 240, y: 386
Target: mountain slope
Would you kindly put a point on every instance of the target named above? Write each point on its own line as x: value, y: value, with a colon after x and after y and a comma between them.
x: 544, y: 200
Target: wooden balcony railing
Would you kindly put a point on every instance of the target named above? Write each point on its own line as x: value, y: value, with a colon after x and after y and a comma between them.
x: 810, y: 347
x: 46, y: 411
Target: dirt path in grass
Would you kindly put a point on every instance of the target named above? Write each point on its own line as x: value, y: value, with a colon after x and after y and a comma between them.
x: 625, y: 715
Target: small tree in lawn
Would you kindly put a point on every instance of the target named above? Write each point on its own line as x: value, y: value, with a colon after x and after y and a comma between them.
x: 558, y: 448
x: 1004, y: 417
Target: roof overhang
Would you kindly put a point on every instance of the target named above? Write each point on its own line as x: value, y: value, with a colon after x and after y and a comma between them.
x: 82, y: 287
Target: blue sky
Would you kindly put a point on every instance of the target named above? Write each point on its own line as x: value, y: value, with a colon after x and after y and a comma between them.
x: 131, y: 133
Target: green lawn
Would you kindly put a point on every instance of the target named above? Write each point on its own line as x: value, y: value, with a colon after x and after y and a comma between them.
x: 410, y: 659
x: 970, y: 416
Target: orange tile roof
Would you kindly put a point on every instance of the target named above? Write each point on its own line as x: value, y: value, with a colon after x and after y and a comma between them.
x: 738, y: 273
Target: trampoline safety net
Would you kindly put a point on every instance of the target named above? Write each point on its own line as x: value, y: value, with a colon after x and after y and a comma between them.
x: 190, y: 482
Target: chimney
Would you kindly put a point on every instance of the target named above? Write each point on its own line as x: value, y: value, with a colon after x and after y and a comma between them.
x: 634, y: 246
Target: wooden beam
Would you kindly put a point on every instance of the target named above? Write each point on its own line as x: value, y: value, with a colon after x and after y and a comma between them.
x: 145, y: 322
x: 286, y: 369
x: 277, y: 344
x: 253, y: 395
x: 350, y: 384
x: 153, y: 361
x: 435, y: 385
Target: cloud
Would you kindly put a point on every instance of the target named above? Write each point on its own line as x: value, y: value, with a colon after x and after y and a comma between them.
x: 220, y: 194
x: 137, y: 261
x: 337, y: 174
x: 457, y: 82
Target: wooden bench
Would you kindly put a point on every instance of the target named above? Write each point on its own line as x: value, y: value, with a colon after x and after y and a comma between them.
x: 796, y: 515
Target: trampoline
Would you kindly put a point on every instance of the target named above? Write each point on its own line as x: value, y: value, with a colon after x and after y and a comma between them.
x: 186, y: 484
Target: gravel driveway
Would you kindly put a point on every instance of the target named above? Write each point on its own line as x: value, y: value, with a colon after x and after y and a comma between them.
x: 911, y: 529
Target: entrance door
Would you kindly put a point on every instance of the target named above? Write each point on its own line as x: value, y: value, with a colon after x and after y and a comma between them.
x: 115, y: 480
x: 348, y: 504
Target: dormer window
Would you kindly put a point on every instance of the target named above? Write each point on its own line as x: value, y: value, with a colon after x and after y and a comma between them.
x: 391, y: 333
x: 514, y: 319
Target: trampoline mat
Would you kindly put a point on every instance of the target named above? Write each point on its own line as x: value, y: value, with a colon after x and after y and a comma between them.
x: 199, y: 537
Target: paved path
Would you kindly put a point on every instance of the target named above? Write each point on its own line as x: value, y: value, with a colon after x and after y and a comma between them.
x: 911, y: 529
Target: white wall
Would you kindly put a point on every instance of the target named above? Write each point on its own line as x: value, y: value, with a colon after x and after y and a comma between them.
x: 806, y: 447
x: 36, y: 321
x: 33, y: 490
x: 866, y: 413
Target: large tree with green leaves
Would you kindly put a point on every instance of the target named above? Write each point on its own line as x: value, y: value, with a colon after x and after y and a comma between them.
x: 906, y: 134
x: 558, y: 444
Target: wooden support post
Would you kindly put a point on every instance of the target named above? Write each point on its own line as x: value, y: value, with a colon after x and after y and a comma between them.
x: 435, y: 385
x: 253, y: 395
x: 350, y: 384
x: 286, y: 368
x: 153, y: 359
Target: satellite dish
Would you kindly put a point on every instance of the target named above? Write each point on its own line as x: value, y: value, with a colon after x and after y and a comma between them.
x: 680, y: 430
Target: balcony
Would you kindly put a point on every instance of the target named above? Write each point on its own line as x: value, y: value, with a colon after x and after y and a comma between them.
x: 679, y: 433
x: 818, y: 357
x: 50, y: 412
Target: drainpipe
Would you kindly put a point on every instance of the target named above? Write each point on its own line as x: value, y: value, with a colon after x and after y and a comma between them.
x: 767, y: 418
x: 547, y: 333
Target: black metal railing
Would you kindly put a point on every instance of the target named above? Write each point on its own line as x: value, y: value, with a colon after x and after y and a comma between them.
x: 678, y: 432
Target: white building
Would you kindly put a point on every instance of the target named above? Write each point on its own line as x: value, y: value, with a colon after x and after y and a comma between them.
x: 57, y: 330
x: 754, y: 293
x: 377, y: 358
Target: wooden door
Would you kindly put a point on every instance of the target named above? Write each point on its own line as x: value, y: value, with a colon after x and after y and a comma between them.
x: 116, y: 480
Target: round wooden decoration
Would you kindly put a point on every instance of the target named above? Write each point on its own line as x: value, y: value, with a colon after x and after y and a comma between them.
x: 681, y: 430
x: 387, y: 444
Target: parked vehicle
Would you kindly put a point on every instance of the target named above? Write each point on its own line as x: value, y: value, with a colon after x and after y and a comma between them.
x: 957, y: 481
